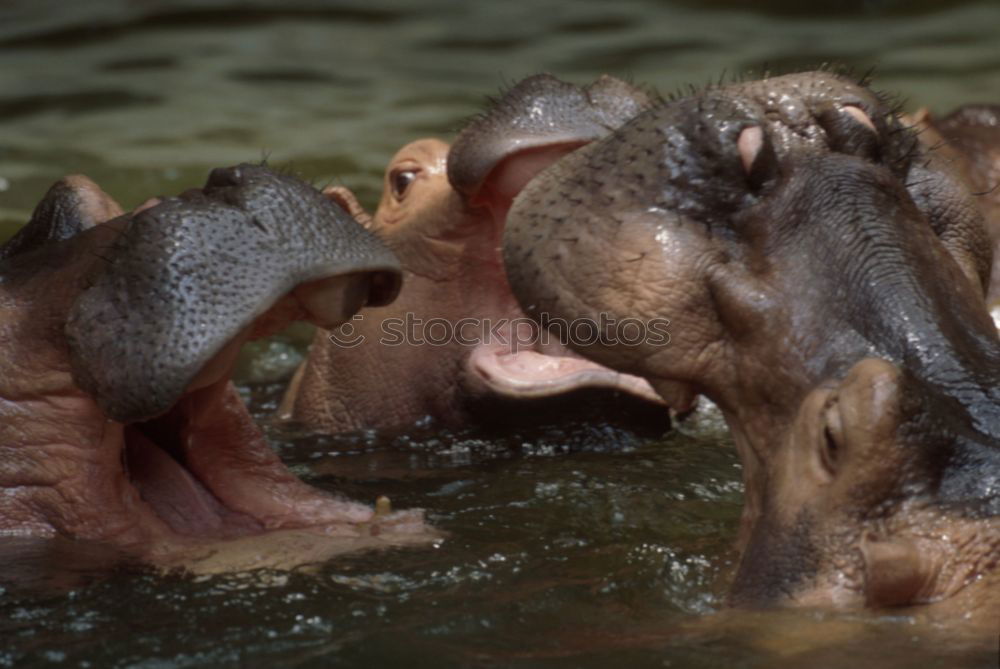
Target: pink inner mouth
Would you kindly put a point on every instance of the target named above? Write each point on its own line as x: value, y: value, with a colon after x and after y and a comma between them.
x: 532, y: 373
x: 204, y: 471
x: 176, y: 495
x: 513, y: 173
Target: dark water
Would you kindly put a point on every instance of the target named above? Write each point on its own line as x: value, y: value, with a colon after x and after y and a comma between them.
x: 587, y: 544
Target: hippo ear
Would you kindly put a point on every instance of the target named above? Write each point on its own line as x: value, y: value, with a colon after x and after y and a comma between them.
x: 186, y: 280
x: 72, y: 204
x: 349, y: 203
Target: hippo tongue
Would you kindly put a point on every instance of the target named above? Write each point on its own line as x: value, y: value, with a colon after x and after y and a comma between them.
x: 176, y: 496
x: 534, y: 374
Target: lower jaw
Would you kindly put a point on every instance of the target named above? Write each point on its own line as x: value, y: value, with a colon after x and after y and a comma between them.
x: 531, y: 375
x: 177, y: 497
x: 183, y: 526
x: 203, y: 473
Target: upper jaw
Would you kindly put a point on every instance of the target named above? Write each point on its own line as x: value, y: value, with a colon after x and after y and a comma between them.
x: 541, y: 114
x: 185, y: 277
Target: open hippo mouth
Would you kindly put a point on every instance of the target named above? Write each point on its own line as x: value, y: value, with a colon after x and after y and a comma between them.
x: 490, y: 174
x: 204, y: 469
x: 154, y: 448
x: 227, y: 488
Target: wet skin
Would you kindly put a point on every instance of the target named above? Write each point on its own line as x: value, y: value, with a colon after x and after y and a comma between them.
x: 823, y: 278
x: 969, y: 140
x: 449, y: 249
x: 118, y: 423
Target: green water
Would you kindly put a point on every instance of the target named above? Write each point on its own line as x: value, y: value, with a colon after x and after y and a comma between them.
x: 587, y: 544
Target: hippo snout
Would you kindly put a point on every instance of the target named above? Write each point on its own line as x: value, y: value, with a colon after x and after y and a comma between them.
x: 188, y: 275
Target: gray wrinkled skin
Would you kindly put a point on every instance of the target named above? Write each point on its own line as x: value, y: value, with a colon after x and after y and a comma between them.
x: 186, y: 275
x: 969, y: 138
x: 539, y: 111
x: 839, y: 243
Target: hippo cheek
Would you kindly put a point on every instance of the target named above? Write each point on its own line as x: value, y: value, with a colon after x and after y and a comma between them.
x: 927, y: 553
x: 898, y: 572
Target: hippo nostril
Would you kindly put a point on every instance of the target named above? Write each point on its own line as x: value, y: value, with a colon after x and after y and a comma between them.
x: 757, y: 156
x: 383, y: 289
x: 749, y: 144
x: 829, y: 450
x: 222, y: 177
x: 850, y: 130
x: 860, y: 116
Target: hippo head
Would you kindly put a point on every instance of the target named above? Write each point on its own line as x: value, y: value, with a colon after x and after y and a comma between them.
x: 118, y: 422
x: 789, y: 230
x: 875, y: 497
x: 455, y: 345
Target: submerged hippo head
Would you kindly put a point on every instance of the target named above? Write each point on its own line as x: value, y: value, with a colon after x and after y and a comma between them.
x: 789, y: 229
x: 455, y: 343
x: 118, y: 422
x: 877, y: 495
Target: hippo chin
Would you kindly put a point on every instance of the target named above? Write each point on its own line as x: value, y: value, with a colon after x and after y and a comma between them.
x: 823, y: 279
x: 118, y: 422
x: 389, y: 371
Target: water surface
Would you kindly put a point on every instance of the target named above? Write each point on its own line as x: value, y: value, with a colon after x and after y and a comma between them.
x: 581, y: 544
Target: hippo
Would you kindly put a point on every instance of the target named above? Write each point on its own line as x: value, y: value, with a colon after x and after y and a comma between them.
x: 375, y: 375
x: 823, y: 277
x: 118, y: 422
x: 969, y: 139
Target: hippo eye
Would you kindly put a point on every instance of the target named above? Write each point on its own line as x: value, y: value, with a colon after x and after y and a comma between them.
x: 400, y: 181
